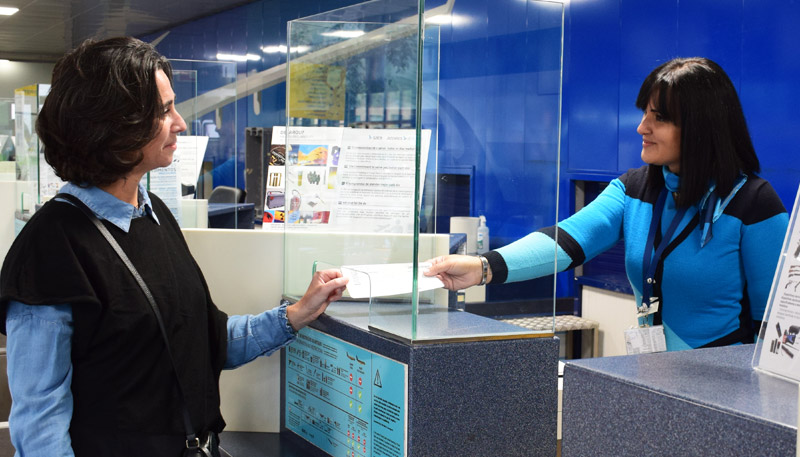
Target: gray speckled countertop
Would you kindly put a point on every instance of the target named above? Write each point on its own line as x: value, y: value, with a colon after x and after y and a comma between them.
x: 677, y: 402
x: 434, y: 323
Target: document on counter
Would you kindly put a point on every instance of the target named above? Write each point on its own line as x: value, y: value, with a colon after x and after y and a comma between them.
x: 386, y: 279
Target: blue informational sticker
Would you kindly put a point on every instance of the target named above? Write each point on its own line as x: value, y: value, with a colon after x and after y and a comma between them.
x: 344, y: 399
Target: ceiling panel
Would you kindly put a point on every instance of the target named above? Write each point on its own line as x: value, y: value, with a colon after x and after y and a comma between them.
x: 43, y: 30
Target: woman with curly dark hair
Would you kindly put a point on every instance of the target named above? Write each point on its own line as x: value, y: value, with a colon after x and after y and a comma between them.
x: 93, y: 370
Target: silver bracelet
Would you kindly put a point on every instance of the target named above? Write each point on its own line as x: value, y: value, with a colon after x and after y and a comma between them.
x: 485, y: 267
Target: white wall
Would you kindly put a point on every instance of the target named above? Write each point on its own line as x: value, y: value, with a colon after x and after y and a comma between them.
x: 615, y: 312
x: 14, y: 75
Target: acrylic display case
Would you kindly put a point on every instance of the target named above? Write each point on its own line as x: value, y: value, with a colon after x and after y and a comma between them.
x: 209, y: 161
x: 361, y: 160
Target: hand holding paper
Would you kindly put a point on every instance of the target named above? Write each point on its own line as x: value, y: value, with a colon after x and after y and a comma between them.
x: 388, y: 279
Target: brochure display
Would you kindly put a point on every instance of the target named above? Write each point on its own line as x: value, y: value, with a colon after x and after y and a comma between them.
x: 778, y: 343
x: 356, y: 189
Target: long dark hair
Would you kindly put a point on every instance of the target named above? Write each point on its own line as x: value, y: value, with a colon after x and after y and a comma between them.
x: 103, y: 108
x: 696, y: 95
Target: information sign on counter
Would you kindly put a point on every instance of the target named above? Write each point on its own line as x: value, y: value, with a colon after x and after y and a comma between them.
x: 344, y: 399
x: 778, y: 345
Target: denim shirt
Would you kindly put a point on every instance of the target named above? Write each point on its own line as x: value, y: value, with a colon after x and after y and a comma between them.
x: 39, y: 346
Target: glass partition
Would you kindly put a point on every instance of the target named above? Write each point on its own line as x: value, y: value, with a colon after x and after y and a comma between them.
x: 361, y: 158
x: 36, y: 181
x: 210, y: 165
x: 8, y: 170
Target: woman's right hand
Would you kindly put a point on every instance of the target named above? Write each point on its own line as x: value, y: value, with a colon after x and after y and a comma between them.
x: 457, y: 271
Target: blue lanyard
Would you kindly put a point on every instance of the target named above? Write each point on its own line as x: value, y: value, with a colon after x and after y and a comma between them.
x: 650, y: 264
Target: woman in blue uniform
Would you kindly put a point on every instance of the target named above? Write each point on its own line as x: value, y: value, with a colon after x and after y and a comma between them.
x: 702, y: 230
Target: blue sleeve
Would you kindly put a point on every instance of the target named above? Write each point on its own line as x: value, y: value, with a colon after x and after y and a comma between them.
x: 761, y: 248
x: 39, y: 350
x: 250, y: 336
x: 533, y: 256
x: 582, y: 236
x: 598, y: 226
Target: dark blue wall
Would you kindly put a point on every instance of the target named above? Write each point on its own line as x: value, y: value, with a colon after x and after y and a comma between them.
x: 496, y: 78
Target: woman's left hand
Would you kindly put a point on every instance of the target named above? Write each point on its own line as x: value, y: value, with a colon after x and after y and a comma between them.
x: 326, y: 286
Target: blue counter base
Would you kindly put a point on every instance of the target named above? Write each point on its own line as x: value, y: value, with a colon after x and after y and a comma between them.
x: 470, y: 398
x: 700, y: 402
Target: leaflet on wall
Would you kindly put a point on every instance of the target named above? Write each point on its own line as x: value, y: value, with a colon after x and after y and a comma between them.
x: 376, y: 178
x: 343, y: 179
x: 778, y: 344
x: 166, y: 183
x: 190, y: 153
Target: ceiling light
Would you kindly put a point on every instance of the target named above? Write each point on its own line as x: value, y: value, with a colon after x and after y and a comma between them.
x: 283, y: 50
x: 237, y: 57
x: 7, y: 10
x: 439, y: 19
x: 445, y: 19
x: 344, y: 33
x: 274, y: 49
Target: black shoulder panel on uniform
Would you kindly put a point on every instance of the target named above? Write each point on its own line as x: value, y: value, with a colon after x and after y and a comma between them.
x: 755, y: 201
x: 635, y: 181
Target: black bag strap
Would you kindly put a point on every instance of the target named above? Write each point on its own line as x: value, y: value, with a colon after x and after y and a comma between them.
x: 192, y: 440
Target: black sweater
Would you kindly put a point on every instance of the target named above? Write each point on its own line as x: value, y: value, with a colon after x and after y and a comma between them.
x: 124, y: 389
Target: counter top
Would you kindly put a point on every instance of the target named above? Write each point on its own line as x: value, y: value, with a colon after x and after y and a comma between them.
x: 677, y: 399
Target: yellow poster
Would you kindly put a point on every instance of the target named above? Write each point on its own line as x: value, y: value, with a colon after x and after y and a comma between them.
x: 316, y: 91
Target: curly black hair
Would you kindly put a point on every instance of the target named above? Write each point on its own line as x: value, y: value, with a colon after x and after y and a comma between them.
x: 103, y: 107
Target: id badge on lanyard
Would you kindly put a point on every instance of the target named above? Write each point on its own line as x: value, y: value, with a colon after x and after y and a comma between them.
x: 647, y: 338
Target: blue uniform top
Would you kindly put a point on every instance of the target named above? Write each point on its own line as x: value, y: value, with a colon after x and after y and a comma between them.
x: 708, y: 290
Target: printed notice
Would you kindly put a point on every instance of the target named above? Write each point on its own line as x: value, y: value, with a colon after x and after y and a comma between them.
x: 342, y: 179
x: 165, y: 182
x: 343, y: 399
x: 778, y: 348
x: 376, y: 180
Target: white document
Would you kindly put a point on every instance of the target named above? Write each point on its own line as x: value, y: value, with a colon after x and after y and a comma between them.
x: 190, y: 154
x: 376, y: 180
x: 387, y: 279
x: 645, y: 340
x: 166, y: 183
x: 780, y: 349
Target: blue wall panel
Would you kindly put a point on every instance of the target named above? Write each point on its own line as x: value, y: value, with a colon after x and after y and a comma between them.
x: 591, y: 86
x: 498, y: 75
x: 770, y: 75
x: 648, y: 38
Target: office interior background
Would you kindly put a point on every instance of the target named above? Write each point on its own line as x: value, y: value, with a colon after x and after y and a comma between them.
x: 498, y: 74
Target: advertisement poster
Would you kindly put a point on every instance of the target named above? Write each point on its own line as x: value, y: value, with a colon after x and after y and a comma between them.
x: 778, y: 350
x: 344, y: 179
x: 302, y: 190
